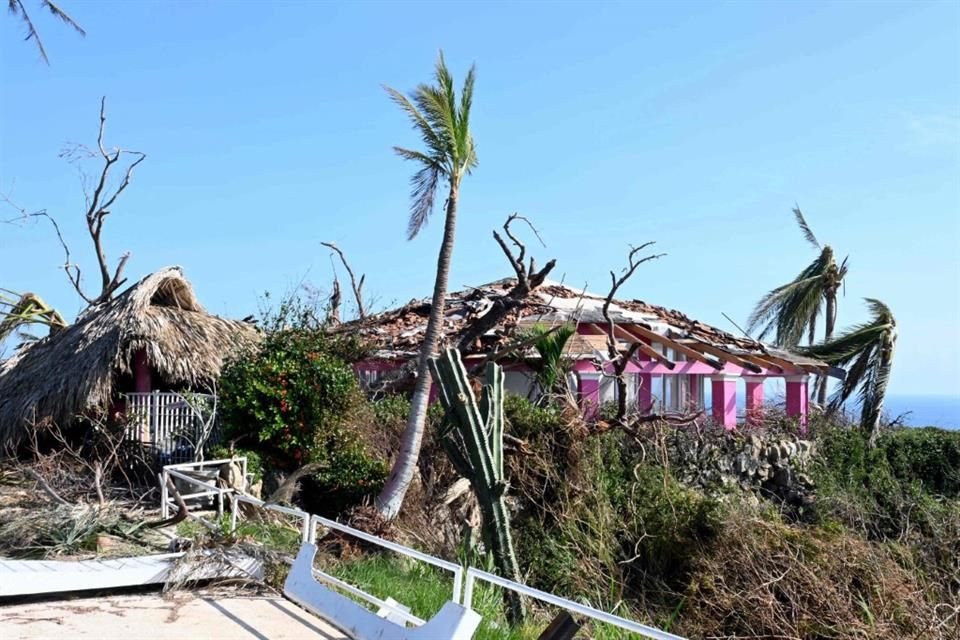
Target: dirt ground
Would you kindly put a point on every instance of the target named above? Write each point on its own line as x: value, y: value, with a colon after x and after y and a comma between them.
x: 178, y: 616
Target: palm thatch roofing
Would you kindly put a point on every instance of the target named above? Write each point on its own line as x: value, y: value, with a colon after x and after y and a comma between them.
x: 75, y: 369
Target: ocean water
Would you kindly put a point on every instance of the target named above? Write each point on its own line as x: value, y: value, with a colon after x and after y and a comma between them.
x: 925, y: 411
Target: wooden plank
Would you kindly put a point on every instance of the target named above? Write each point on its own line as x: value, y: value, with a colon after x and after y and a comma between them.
x: 673, y: 344
x: 786, y: 364
x: 726, y: 356
x: 645, y: 348
x: 763, y: 361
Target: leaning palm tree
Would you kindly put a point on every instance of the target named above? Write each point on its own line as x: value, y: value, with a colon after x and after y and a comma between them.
x: 443, y: 124
x: 792, y: 311
x: 866, y: 352
x: 16, y: 8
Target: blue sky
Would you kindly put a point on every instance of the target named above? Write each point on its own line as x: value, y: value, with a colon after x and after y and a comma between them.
x: 696, y: 125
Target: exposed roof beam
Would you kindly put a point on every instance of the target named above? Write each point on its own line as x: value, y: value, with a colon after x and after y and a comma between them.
x: 726, y: 356
x: 642, y: 346
x: 653, y: 336
x: 784, y: 363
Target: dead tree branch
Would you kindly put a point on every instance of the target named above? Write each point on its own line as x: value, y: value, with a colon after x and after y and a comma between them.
x: 618, y: 358
x: 528, y: 279
x: 99, y: 204
x: 45, y: 486
x: 356, y: 285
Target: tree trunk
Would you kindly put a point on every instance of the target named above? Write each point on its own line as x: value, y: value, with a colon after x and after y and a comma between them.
x: 391, y: 498
x: 621, y: 395
x: 830, y: 321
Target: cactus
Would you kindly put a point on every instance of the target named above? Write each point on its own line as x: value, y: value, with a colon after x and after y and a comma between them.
x: 472, y: 436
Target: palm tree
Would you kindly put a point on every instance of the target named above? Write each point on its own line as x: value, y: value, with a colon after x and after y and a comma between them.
x: 793, y: 310
x: 443, y: 124
x: 553, y: 363
x: 866, y: 352
x: 16, y: 8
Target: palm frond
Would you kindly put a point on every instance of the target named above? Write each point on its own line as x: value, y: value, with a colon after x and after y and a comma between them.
x: 435, y: 143
x: 16, y: 8
x: 433, y: 104
x: 804, y: 227
x: 62, y: 15
x: 422, y: 195
x: 464, y: 140
x: 25, y: 310
x: 870, y: 348
x: 789, y: 309
x: 550, y: 347
x: 445, y: 131
x: 855, y: 376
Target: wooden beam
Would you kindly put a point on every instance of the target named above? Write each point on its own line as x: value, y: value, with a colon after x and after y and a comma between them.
x: 789, y: 365
x: 740, y: 361
x: 761, y: 361
x: 643, y: 346
x: 653, y: 336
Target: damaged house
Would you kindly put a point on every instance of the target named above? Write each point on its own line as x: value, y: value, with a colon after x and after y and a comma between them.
x: 140, y: 356
x: 677, y: 361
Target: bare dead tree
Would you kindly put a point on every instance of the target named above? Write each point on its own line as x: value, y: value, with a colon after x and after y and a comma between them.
x: 528, y: 279
x: 356, y: 285
x: 619, y: 359
x: 99, y: 203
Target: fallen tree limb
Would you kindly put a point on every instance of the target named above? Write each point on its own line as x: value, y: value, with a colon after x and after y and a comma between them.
x: 46, y: 486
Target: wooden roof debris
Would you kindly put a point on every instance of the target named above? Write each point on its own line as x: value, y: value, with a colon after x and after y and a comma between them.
x: 397, y: 334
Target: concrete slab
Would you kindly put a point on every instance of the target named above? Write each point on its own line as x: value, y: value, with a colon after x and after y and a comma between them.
x: 178, y: 616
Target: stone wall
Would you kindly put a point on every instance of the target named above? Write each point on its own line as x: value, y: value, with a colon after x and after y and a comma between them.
x: 716, y: 460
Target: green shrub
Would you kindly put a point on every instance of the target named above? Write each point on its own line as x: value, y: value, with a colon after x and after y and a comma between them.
x: 295, y: 403
x: 929, y: 456
x: 391, y: 410
x: 528, y: 420
x: 597, y: 521
x: 890, y: 491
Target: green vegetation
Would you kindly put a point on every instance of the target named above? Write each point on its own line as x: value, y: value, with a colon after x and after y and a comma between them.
x: 294, y: 401
x: 425, y: 589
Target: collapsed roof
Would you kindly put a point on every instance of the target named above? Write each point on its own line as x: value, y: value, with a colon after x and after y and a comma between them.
x: 397, y: 334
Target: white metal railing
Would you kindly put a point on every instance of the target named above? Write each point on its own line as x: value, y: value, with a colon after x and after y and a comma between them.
x: 446, y: 565
x: 574, y: 607
x: 463, y: 582
x: 176, y: 425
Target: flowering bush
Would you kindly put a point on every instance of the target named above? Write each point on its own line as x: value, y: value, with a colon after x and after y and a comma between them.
x: 295, y: 402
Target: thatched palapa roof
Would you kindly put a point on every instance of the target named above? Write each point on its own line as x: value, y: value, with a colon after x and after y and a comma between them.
x: 75, y: 369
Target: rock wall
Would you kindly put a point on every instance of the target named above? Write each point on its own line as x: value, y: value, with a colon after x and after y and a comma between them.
x: 715, y: 460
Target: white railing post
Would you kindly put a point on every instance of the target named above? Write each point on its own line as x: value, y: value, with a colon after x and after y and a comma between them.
x: 234, y: 512
x: 164, y: 495
x: 468, y: 589
x: 458, y: 585
x: 307, y: 528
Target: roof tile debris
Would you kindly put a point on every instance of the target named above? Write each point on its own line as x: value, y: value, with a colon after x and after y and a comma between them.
x: 397, y: 334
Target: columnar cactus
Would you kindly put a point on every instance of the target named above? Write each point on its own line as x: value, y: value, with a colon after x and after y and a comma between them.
x: 472, y: 436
